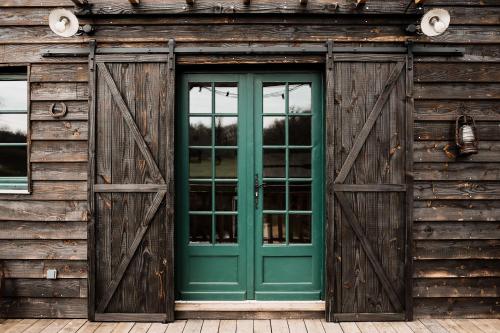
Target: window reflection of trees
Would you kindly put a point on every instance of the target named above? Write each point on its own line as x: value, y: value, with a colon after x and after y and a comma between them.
x: 299, y: 131
x: 12, y: 159
x: 9, y: 136
x: 225, y: 135
x: 199, y: 135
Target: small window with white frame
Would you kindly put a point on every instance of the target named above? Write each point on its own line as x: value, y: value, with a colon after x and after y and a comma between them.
x: 13, y: 130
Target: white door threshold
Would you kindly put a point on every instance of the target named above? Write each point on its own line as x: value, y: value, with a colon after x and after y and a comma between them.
x: 250, y: 306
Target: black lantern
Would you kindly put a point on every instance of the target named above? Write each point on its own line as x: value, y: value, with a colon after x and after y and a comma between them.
x: 466, y: 135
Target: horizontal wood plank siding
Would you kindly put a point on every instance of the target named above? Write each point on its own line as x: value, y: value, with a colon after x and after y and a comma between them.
x: 456, y: 227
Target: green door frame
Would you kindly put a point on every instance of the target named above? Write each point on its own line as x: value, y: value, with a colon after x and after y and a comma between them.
x: 249, y: 275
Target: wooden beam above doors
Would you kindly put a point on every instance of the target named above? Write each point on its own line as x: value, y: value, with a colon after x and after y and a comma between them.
x: 373, y: 7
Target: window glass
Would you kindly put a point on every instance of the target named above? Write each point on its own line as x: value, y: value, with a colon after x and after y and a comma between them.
x: 213, y: 162
x: 13, y: 132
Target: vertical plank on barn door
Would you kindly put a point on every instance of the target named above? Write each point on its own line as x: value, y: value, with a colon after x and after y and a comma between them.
x: 366, y: 162
x: 132, y: 189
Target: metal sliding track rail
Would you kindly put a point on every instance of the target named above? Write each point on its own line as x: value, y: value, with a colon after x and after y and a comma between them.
x: 260, y: 50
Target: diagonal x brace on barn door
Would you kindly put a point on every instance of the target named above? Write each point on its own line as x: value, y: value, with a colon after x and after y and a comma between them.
x: 370, y: 253
x: 125, y: 261
x: 370, y: 121
x: 127, y: 116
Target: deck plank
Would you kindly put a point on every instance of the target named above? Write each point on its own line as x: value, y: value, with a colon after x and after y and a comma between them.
x: 384, y: 327
x: 314, y: 326
x: 140, y: 328
x: 89, y: 327
x: 249, y: 326
x: 73, y: 326
x: 297, y: 326
x: 485, y: 326
x: 227, y: 326
x: 55, y: 326
x: 106, y: 328
x: 401, y: 327
x: 176, y: 327
x: 123, y: 327
x: 349, y: 327
x: 244, y: 326
x: 450, y: 325
x: 366, y: 327
x: 19, y: 327
x: 279, y: 326
x: 157, y: 328
x: 467, y: 326
x: 262, y: 326
x: 210, y: 326
x: 193, y: 326
x: 38, y: 326
x: 434, y: 326
x: 418, y: 327
x: 330, y: 327
x: 9, y: 324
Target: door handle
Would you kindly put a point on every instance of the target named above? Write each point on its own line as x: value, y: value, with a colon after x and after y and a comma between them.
x: 257, y: 185
x: 256, y: 188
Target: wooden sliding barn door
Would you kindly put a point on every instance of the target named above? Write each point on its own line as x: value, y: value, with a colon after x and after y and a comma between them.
x: 131, y: 173
x: 368, y: 120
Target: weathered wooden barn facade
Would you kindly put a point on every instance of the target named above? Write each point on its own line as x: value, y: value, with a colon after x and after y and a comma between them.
x: 260, y: 150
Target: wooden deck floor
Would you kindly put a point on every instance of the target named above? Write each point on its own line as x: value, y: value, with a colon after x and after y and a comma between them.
x: 245, y: 326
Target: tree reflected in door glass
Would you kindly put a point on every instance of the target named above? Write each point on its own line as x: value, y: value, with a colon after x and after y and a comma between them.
x: 274, y: 161
x: 200, y: 131
x: 226, y: 163
x: 226, y: 131
x: 274, y: 131
x: 299, y: 128
x: 200, y: 165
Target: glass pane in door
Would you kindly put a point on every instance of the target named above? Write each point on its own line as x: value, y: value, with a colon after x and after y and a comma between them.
x: 213, y: 162
x: 286, y: 162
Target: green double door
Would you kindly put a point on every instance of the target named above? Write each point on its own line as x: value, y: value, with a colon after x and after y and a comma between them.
x: 249, y: 187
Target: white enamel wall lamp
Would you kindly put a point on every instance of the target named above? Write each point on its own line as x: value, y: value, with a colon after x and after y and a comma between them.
x: 65, y: 24
x: 435, y: 22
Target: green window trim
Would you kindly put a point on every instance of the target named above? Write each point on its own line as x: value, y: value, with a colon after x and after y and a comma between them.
x: 15, y: 184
